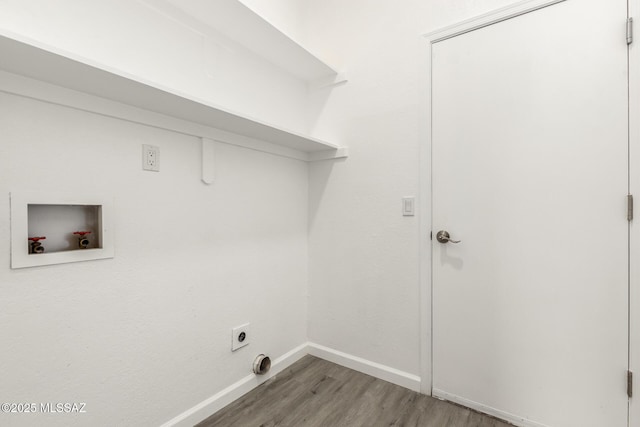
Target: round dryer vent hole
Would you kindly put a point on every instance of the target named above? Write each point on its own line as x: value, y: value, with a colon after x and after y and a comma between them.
x: 261, y: 365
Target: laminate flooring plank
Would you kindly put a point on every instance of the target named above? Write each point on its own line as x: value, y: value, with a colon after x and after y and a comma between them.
x: 316, y: 393
x: 383, y: 403
x: 258, y: 403
x: 398, y: 404
x: 418, y: 412
x: 438, y: 414
x: 279, y: 398
x: 331, y: 410
x: 456, y: 415
x: 321, y: 389
x: 279, y: 389
x: 308, y: 408
x: 478, y: 420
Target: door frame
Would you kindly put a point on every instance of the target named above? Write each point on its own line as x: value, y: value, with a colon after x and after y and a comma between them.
x: 426, y: 278
x: 634, y: 226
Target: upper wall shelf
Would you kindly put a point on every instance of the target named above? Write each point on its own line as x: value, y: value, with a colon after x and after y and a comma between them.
x: 234, y: 20
x: 37, y: 61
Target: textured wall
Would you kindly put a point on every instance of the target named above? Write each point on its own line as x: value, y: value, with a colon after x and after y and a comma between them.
x: 144, y: 336
x: 286, y: 15
x: 364, y: 263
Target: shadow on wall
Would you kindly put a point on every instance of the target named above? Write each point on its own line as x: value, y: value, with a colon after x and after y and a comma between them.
x: 321, y: 173
x: 319, y: 94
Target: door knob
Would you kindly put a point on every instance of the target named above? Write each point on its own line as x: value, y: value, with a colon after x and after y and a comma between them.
x: 444, y: 237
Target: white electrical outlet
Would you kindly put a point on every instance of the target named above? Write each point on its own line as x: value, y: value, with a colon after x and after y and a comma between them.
x: 240, y: 336
x: 150, y: 158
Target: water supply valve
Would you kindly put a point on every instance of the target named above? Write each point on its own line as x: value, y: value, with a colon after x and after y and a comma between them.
x: 83, y: 241
x: 35, y: 247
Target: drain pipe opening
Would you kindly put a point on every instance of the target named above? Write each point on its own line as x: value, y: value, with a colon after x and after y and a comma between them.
x: 261, y: 365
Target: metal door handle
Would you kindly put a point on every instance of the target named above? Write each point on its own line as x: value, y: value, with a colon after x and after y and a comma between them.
x: 444, y: 237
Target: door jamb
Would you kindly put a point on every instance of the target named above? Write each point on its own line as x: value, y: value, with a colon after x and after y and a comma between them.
x: 634, y: 229
x: 426, y: 205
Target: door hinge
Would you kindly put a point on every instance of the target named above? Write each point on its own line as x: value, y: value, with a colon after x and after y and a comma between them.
x: 629, y: 30
x: 629, y: 384
x: 630, y: 207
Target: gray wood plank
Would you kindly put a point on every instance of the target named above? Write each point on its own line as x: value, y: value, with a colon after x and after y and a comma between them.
x: 316, y: 393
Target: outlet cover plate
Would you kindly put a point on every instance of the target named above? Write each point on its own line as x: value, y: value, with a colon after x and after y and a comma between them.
x: 240, y: 336
x: 150, y: 158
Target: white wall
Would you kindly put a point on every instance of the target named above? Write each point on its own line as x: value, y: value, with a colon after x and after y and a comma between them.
x: 286, y: 15
x: 364, y: 264
x: 145, y: 336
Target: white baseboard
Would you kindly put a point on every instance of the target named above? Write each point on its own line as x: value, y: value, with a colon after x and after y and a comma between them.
x: 386, y: 373
x: 506, y: 416
x: 224, y: 397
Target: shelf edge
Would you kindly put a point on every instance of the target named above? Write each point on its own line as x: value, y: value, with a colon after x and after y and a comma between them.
x: 34, y: 60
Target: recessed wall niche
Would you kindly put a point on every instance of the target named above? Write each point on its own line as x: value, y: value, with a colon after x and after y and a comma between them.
x: 58, y: 228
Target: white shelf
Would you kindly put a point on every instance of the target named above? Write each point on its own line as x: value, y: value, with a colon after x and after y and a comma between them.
x: 236, y: 21
x: 37, y: 61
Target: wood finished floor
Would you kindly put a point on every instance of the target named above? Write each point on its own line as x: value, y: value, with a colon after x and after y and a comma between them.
x: 314, y: 392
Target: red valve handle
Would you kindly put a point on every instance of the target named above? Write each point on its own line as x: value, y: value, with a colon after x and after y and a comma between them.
x: 35, y: 239
x: 81, y: 233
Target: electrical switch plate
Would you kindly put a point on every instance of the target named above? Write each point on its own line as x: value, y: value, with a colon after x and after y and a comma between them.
x: 240, y: 336
x: 150, y: 158
x: 408, y: 206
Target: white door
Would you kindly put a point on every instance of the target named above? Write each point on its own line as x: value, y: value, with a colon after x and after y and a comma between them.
x: 530, y: 172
